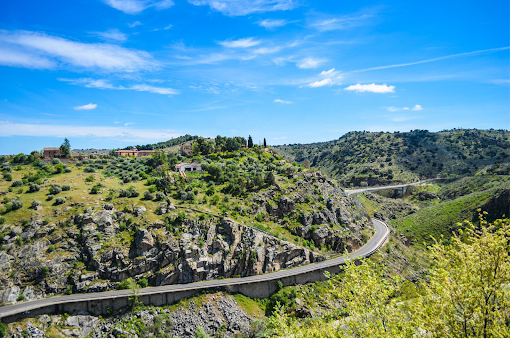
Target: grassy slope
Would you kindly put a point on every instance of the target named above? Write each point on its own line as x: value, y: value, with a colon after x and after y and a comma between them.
x: 380, y: 158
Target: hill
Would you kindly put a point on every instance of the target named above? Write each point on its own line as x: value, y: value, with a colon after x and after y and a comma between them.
x: 373, y: 158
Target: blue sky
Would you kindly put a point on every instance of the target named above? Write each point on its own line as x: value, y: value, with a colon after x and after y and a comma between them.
x: 111, y: 73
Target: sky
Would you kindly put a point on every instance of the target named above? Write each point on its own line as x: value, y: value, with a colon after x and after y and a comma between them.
x: 114, y: 73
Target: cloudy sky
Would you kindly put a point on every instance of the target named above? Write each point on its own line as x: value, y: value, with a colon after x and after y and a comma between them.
x: 110, y: 73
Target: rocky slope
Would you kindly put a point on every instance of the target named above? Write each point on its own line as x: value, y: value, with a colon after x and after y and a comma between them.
x: 216, y: 314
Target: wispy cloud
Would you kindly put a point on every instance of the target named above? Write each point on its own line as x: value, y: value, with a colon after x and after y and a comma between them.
x: 168, y: 27
x: 398, y: 109
x: 282, y: 101
x: 472, y: 53
x: 322, y: 83
x: 267, y: 50
x: 310, y: 62
x: 240, y: 43
x: 271, y: 24
x: 89, y: 106
x: 244, y: 7
x: 50, y: 51
x: 137, y: 6
x: 105, y: 84
x: 279, y: 138
x: 135, y: 23
x: 8, y: 129
x: 112, y: 34
x: 371, y: 88
x: 129, y: 123
x: 339, y: 23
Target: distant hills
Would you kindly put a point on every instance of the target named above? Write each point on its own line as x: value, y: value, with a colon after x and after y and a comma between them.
x: 370, y: 158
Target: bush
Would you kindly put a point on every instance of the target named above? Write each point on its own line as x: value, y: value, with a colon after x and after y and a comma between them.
x: 90, y: 179
x: 95, y: 189
x: 60, y: 200
x: 3, y: 329
x: 17, y: 183
x: 159, y: 196
x: 55, y: 161
x: 66, y: 187
x: 8, y: 177
x: 67, y: 170
x: 55, y: 189
x: 21, y: 297
x: 51, y: 248
x: 2, y: 220
x: 126, y: 284
x: 16, y: 204
x: 124, y: 193
x: 35, y: 204
x: 148, y: 195
x: 45, y: 271
x: 33, y: 187
x: 49, y: 198
x: 143, y: 282
x: 89, y: 169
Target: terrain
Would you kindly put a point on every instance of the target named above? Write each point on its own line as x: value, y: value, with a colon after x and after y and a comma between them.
x: 132, y: 222
x: 379, y: 158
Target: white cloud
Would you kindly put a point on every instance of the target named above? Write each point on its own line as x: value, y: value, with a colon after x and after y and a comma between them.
x: 322, y: 83
x: 135, y: 23
x: 244, y: 7
x: 105, y: 84
x: 371, y: 88
x: 137, y: 6
x: 395, y: 109
x: 339, y: 23
x: 266, y: 50
x: 310, y: 63
x: 112, y: 34
x: 49, y: 51
x: 129, y: 123
x: 282, y: 101
x: 279, y: 138
x: 328, y: 72
x: 240, y: 43
x: 168, y: 27
x: 89, y: 106
x: 270, y: 24
x: 156, y: 90
x: 11, y: 57
x: 8, y: 129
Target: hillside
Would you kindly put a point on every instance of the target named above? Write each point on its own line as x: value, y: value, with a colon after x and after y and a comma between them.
x: 366, y: 158
x: 85, y: 227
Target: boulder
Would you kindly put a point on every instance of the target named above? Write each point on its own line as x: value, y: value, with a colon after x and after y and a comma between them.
x: 143, y: 240
x: 138, y: 211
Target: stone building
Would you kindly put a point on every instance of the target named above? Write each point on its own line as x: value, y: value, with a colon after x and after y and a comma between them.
x: 188, y: 167
x: 54, y: 152
x: 133, y: 153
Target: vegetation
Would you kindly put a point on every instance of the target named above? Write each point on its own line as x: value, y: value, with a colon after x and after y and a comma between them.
x: 365, y: 158
x: 466, y: 294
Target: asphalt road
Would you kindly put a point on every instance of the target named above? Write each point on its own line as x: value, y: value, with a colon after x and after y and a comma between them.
x: 381, y: 233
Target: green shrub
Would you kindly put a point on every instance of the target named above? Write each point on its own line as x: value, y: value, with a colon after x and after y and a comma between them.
x: 51, y: 248
x: 33, y: 187
x: 45, y: 271
x: 3, y: 329
x: 2, y: 220
x: 148, y: 195
x: 55, y: 189
x: 21, y: 297
x: 143, y: 282
x: 95, y: 189
x: 49, y: 198
x: 35, y: 204
x: 17, y: 183
x: 90, y: 178
x: 66, y: 187
x: 159, y: 196
x: 60, y: 200
x: 16, y: 204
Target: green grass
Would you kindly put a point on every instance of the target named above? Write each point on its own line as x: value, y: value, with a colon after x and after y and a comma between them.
x: 252, y: 307
x: 441, y: 219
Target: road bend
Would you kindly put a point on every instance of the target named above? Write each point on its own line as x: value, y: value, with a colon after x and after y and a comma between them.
x: 381, y: 233
x: 356, y: 191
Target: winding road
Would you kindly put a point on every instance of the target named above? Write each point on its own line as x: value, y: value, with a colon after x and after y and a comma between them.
x: 381, y: 233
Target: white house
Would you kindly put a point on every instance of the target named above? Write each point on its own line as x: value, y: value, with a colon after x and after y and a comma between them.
x: 187, y: 167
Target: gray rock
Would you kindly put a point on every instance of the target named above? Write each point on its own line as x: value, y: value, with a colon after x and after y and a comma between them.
x: 143, y: 240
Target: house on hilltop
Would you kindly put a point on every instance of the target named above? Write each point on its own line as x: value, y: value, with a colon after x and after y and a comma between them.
x: 188, y: 167
x: 133, y: 152
x: 54, y: 152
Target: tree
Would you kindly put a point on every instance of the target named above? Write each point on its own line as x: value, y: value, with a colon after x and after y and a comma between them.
x: 65, y: 148
x: 269, y: 178
x: 264, y: 142
x: 306, y: 163
x: 466, y: 294
x: 250, y: 144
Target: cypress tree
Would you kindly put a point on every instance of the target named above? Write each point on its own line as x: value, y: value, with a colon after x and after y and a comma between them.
x: 250, y: 144
x: 264, y: 142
